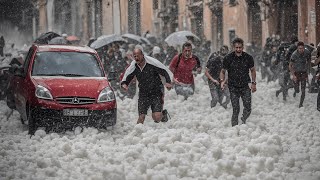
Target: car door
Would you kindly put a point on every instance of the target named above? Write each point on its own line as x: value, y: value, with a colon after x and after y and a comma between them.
x: 22, y: 84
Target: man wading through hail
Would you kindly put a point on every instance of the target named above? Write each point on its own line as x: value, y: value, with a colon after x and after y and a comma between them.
x: 238, y: 64
x: 147, y: 70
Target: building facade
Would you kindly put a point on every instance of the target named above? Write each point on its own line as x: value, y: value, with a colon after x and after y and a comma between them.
x: 218, y: 21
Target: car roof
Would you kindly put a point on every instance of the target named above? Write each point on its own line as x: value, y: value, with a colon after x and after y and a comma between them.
x: 72, y: 48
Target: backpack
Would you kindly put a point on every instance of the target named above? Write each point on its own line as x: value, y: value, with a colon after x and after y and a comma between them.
x: 179, y: 58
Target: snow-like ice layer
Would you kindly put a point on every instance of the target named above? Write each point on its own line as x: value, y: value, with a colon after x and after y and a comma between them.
x: 279, y: 141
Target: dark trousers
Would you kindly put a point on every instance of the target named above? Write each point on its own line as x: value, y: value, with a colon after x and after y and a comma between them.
x: 301, y: 80
x: 1, y: 51
x: 235, y: 94
x: 285, y: 85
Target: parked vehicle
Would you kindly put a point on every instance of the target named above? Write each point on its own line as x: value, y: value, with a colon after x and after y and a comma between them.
x: 61, y: 87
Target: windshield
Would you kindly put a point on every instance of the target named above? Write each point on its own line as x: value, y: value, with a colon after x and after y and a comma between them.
x: 73, y: 64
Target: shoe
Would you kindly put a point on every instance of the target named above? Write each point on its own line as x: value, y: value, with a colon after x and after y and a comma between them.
x: 300, y: 105
x: 277, y: 93
x: 284, y: 98
x: 243, y: 120
x: 225, y: 106
x: 213, y: 104
x: 294, y: 94
x: 166, y: 116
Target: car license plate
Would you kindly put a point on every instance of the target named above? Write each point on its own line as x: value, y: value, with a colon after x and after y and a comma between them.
x: 75, y: 112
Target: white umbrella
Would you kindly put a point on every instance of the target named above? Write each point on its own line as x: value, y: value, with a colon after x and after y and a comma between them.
x: 180, y: 37
x: 145, y: 40
x: 107, y: 39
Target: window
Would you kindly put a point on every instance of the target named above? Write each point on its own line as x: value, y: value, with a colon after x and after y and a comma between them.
x: 66, y: 64
x: 233, y: 2
x: 155, y: 4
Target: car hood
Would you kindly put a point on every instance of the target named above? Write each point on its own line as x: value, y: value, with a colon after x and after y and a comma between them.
x: 75, y: 86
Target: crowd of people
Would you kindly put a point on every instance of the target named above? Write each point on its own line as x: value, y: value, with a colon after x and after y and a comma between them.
x: 178, y: 73
x: 230, y: 74
x: 291, y: 63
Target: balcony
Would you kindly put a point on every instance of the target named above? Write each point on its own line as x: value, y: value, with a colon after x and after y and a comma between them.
x: 215, y: 6
x: 195, y: 6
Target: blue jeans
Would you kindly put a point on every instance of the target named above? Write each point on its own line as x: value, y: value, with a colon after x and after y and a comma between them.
x: 217, y: 95
x: 185, y: 90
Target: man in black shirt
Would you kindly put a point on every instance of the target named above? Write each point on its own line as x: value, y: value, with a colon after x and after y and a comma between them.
x: 151, y: 90
x: 213, y: 68
x: 238, y: 64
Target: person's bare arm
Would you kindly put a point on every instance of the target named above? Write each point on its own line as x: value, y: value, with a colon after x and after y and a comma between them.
x: 222, y: 78
x: 253, y: 79
x: 222, y: 74
x: 292, y: 72
x: 291, y: 68
x: 253, y: 74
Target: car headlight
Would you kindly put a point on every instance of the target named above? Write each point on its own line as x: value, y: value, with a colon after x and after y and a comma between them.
x: 106, y: 95
x: 43, y: 93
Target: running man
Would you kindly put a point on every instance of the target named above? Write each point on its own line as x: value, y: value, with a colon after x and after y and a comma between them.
x: 299, y: 64
x: 238, y: 64
x: 147, y: 70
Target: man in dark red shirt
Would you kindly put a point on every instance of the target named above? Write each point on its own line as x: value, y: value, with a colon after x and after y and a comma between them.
x: 182, y: 66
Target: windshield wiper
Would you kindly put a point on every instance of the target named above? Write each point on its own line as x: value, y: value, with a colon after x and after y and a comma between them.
x: 71, y: 75
x: 67, y: 75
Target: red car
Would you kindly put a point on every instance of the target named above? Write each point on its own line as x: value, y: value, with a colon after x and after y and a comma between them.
x: 62, y: 87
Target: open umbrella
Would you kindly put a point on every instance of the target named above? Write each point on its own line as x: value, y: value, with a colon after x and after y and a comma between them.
x: 145, y: 41
x: 107, y: 39
x: 46, y: 37
x: 59, y: 40
x: 180, y: 37
x: 132, y: 38
x: 152, y: 39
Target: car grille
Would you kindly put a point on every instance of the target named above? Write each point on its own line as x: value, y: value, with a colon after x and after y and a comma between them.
x: 75, y: 100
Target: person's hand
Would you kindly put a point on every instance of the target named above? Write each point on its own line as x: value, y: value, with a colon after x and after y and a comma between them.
x: 125, y: 87
x: 199, y: 70
x: 253, y: 87
x: 215, y: 81
x: 168, y: 86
